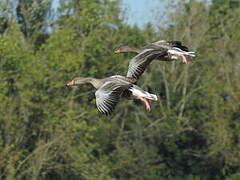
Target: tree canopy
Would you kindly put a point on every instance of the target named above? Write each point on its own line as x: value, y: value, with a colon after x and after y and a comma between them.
x: 51, y: 131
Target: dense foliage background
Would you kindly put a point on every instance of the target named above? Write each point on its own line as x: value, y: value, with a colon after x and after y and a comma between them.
x: 50, y: 131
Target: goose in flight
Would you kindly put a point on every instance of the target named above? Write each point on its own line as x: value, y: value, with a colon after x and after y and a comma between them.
x: 111, y: 89
x: 161, y: 50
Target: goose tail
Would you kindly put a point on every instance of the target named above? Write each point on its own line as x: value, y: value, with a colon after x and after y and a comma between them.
x: 138, y: 91
x: 179, y: 51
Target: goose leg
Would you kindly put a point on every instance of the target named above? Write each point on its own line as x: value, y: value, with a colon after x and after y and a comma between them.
x: 144, y: 100
x: 185, y: 58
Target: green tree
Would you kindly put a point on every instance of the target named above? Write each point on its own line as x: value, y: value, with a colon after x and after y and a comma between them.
x: 50, y: 131
x: 32, y: 16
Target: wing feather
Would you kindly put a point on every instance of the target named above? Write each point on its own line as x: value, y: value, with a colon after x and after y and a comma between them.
x: 108, y: 95
x: 139, y: 63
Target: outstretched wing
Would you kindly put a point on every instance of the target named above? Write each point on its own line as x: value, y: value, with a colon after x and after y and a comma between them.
x: 108, y: 95
x: 139, y: 63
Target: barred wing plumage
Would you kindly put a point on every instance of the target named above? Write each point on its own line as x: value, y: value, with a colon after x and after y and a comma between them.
x: 139, y: 63
x: 108, y: 95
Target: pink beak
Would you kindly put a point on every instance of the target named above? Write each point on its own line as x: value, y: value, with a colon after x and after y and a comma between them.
x: 71, y: 83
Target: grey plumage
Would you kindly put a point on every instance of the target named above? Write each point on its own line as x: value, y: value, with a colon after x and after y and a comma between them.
x: 139, y: 63
x: 157, y: 50
x: 111, y: 89
x: 108, y: 95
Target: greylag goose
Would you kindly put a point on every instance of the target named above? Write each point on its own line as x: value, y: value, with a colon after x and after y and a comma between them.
x: 161, y: 50
x: 110, y: 90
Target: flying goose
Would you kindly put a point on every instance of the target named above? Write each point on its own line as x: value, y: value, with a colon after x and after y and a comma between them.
x: 111, y: 89
x: 161, y: 50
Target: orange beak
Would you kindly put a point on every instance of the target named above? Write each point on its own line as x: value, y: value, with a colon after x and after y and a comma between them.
x: 117, y: 51
x: 71, y: 83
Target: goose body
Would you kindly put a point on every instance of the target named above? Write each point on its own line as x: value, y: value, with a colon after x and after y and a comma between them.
x: 111, y: 89
x: 160, y: 50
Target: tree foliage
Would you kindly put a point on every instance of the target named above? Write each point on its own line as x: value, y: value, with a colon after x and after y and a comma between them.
x: 50, y: 131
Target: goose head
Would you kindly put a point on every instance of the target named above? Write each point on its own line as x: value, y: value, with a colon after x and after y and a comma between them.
x: 125, y: 49
x: 76, y: 81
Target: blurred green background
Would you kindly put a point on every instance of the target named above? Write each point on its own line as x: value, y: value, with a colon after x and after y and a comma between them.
x: 52, y: 132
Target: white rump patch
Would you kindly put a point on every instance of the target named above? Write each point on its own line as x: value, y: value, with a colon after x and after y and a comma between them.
x: 138, y: 91
x: 174, y: 51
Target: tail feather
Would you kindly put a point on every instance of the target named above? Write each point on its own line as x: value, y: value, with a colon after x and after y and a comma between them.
x: 179, y: 51
x: 138, y: 91
x: 190, y: 53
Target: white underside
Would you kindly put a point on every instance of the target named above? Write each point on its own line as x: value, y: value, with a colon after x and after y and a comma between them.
x: 179, y: 51
x: 138, y: 91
